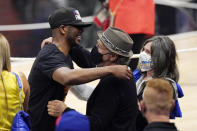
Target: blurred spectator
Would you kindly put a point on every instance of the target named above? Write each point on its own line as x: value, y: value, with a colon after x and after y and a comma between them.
x: 10, y: 100
x: 166, y: 20
x: 157, y: 104
x: 71, y: 120
x: 172, y: 20
x: 30, y: 11
x: 185, y: 19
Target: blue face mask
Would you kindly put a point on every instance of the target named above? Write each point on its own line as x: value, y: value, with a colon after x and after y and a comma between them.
x: 145, y: 62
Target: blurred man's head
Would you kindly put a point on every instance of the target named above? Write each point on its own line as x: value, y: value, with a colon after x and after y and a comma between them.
x: 67, y: 22
x: 158, y: 97
x: 73, y: 121
x: 113, y: 47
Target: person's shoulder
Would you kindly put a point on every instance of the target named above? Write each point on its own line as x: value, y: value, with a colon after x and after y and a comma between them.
x: 48, y: 52
x: 155, y: 126
x: 109, y: 78
x: 49, y: 49
x: 116, y: 80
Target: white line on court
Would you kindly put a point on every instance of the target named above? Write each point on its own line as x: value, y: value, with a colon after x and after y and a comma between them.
x: 187, y: 50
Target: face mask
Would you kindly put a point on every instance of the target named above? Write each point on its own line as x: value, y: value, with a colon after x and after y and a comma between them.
x: 145, y: 62
x: 96, y: 57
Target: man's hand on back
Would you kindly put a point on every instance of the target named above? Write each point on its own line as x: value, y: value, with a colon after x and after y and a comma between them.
x: 46, y: 41
x: 121, y: 71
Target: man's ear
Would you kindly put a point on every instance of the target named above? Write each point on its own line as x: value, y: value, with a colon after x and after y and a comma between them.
x: 63, y: 29
x: 142, y: 107
x: 172, y: 105
x: 114, y: 57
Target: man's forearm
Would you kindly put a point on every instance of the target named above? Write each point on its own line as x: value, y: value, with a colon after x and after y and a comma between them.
x: 66, y: 76
x: 80, y: 76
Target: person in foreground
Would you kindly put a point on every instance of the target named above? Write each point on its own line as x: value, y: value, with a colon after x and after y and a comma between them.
x: 113, y: 104
x: 10, y: 100
x: 157, y: 104
x: 52, y: 72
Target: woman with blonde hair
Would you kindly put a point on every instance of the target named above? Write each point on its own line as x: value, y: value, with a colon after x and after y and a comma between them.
x: 11, y: 96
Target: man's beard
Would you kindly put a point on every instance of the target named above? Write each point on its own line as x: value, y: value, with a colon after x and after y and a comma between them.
x: 71, y: 41
x: 74, y: 40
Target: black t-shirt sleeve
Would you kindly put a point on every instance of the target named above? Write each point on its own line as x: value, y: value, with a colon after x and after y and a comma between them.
x: 105, y: 106
x: 51, y: 59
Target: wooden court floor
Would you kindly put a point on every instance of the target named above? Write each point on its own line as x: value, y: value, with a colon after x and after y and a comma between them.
x: 186, y: 44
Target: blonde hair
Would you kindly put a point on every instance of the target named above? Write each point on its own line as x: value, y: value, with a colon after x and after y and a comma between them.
x: 4, y: 63
x: 158, y: 96
x: 4, y: 54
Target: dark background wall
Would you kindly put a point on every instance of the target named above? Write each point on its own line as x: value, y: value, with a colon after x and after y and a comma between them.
x: 27, y: 43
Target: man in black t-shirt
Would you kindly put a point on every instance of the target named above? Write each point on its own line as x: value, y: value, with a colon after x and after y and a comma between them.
x: 113, y: 104
x: 53, y: 70
x: 157, y: 104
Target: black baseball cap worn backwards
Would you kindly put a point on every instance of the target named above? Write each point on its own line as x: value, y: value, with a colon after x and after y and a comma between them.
x: 66, y: 16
